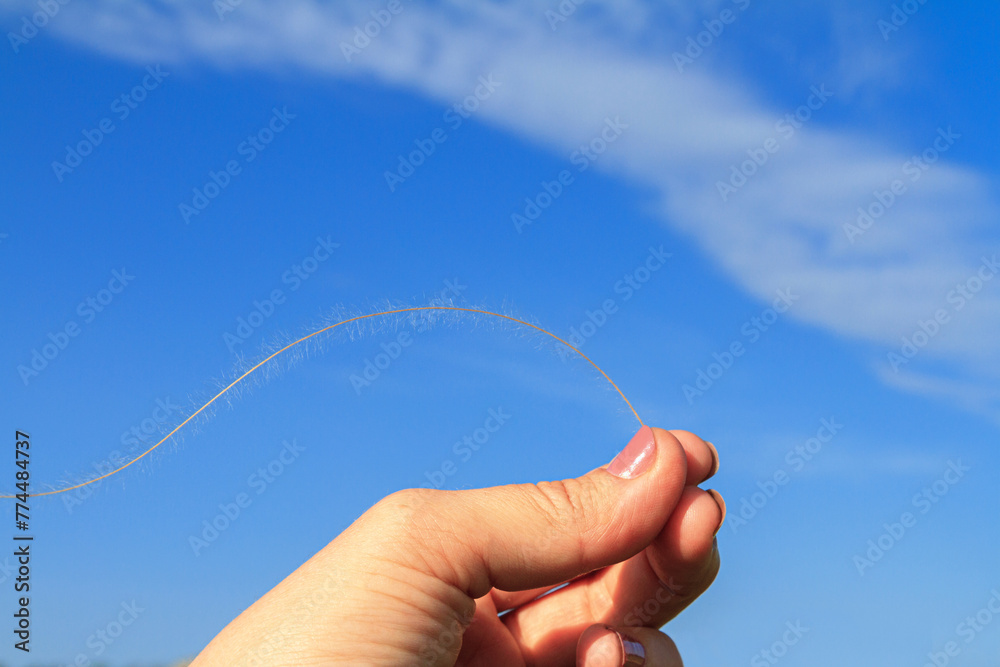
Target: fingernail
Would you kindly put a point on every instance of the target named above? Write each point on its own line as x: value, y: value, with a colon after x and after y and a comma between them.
x: 637, y: 456
x: 633, y: 653
x: 715, y: 460
x: 717, y: 497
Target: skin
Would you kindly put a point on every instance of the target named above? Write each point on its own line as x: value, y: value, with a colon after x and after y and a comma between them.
x: 421, y: 577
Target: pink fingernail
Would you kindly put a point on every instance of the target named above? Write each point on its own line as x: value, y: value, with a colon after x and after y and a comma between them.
x: 717, y: 497
x: 715, y: 460
x: 633, y: 652
x: 637, y: 456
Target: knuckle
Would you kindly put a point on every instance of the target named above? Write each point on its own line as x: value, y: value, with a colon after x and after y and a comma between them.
x: 405, y: 512
x: 564, y: 501
x: 411, y: 526
x: 405, y: 502
x: 568, y: 507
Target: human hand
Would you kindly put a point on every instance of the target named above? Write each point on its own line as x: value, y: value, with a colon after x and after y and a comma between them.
x: 421, y: 577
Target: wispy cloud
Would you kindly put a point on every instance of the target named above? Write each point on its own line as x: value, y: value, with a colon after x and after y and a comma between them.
x: 981, y: 398
x: 688, y: 129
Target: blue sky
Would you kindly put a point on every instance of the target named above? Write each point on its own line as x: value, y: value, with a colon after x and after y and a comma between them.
x: 281, y: 139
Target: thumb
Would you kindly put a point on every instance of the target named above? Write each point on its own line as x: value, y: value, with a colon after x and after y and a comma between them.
x: 532, y: 535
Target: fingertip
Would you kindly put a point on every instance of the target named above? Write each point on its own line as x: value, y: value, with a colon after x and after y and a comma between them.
x: 715, y: 459
x: 721, y: 502
x: 694, y: 523
x: 683, y: 554
x: 651, y: 471
x: 702, y: 456
x: 671, y: 454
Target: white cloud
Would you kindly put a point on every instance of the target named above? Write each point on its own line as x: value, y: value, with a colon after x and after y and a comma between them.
x: 783, y: 229
x: 981, y: 398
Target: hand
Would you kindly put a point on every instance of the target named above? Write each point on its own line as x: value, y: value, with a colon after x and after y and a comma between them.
x: 421, y: 577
